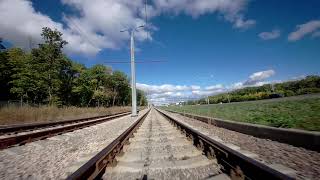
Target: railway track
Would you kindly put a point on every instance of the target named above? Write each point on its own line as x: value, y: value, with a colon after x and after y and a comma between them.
x: 159, y: 147
x: 22, y: 134
x: 300, y: 138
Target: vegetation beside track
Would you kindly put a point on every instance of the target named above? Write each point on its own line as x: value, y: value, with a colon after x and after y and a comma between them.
x: 46, y: 76
x: 19, y: 115
x: 307, y: 85
x: 299, y: 112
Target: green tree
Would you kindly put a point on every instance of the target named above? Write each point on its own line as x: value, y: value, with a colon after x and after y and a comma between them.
x: 118, y: 83
x: 70, y: 72
x: 99, y: 75
x: 20, y: 73
x: 48, y: 76
x: 49, y: 62
x: 90, y: 85
x: 141, y: 98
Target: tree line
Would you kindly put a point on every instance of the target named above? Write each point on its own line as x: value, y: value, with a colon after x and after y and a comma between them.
x: 308, y: 85
x: 47, y: 76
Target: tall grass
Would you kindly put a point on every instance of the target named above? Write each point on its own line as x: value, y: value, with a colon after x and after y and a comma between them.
x: 300, y: 112
x: 27, y: 114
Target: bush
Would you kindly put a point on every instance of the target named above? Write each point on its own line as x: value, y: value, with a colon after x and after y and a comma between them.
x: 308, y: 91
x: 311, y: 84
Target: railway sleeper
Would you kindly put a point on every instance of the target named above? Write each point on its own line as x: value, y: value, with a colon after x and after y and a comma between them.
x: 109, y: 154
x: 232, y: 162
x: 211, y: 151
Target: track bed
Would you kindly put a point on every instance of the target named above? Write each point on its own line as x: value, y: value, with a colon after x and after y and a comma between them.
x: 159, y: 151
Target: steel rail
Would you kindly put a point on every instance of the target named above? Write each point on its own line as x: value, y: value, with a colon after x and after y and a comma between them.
x: 95, y: 167
x: 16, y: 128
x: 299, y: 138
x: 46, y: 133
x: 234, y: 163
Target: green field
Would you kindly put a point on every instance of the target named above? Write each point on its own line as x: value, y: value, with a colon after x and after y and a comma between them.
x: 299, y: 112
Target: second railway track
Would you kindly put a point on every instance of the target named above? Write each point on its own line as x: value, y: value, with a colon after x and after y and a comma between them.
x: 22, y: 134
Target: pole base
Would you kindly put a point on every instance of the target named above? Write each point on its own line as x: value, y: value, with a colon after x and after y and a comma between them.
x: 134, y: 115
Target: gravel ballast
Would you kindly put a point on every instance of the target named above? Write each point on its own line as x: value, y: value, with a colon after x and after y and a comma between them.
x: 159, y: 151
x: 59, y: 156
x: 306, y: 163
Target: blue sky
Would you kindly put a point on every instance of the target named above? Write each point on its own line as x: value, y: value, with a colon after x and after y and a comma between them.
x: 208, y: 47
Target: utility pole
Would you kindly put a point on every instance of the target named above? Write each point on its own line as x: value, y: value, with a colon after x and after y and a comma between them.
x: 272, y: 87
x: 133, y: 68
x: 133, y: 76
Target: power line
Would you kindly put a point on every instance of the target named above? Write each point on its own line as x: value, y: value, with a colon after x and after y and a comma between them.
x: 141, y: 62
x: 146, y: 18
x: 78, y: 29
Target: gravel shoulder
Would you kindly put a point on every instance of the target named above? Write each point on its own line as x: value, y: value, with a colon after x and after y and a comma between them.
x: 304, y: 161
x: 59, y: 156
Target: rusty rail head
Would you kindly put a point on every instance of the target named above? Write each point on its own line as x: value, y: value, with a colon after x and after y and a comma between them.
x: 96, y: 165
x: 232, y: 161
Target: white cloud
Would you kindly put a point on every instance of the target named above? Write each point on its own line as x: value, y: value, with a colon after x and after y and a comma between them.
x: 214, y: 87
x: 244, y: 24
x: 193, y: 87
x: 97, y: 23
x: 274, y: 34
x: 168, y: 93
x: 231, y: 10
x: 173, y: 93
x: 304, y: 29
x: 258, y: 77
x: 24, y: 25
x: 202, y: 93
x: 108, y: 18
x: 159, y: 89
x: 236, y: 85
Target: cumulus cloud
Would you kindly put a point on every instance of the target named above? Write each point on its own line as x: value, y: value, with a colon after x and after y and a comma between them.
x: 24, y: 25
x: 98, y: 26
x: 231, y: 10
x: 258, y: 77
x: 274, y: 34
x: 243, y: 24
x: 304, y: 29
x: 255, y: 79
x: 168, y: 93
x: 173, y: 93
x: 193, y: 87
x: 237, y: 85
x: 152, y: 89
x: 97, y: 23
x: 214, y: 87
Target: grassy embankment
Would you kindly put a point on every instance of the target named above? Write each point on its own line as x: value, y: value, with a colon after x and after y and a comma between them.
x: 19, y: 115
x: 299, y: 112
